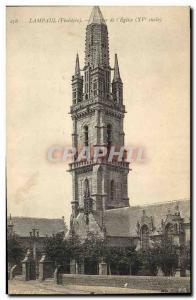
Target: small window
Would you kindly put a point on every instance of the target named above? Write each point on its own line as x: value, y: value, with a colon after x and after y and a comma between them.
x: 145, y: 237
x: 112, y: 187
x: 74, y: 95
x: 169, y: 232
x: 86, y: 135
x: 109, y: 135
x: 94, y: 85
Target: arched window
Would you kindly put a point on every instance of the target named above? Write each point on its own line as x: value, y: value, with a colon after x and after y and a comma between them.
x: 86, y: 135
x: 95, y: 88
x: 169, y: 232
x: 88, y: 205
x: 112, y: 190
x: 145, y: 237
x: 86, y: 188
x: 109, y: 135
x: 74, y: 96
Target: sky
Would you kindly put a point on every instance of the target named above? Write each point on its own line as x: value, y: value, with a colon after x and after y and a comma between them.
x: 152, y: 44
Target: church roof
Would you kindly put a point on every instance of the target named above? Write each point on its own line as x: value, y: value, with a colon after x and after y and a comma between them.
x: 96, y: 16
x: 47, y: 227
x: 122, y: 221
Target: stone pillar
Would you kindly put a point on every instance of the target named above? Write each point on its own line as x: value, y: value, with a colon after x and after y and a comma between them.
x: 160, y: 272
x: 177, y: 274
x: 46, y: 268
x: 12, y: 272
x: 73, y: 267
x: 58, y: 275
x: 81, y: 267
x: 103, y: 268
x: 28, y: 267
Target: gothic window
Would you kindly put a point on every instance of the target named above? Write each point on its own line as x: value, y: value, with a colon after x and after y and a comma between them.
x: 169, y: 232
x: 79, y: 96
x: 86, y: 135
x: 112, y: 191
x: 95, y: 88
x: 109, y: 135
x: 74, y: 96
x: 145, y: 237
x: 119, y: 190
x: 94, y: 85
x: 88, y: 205
x: 86, y: 188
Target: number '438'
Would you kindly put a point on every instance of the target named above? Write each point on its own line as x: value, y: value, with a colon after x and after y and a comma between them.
x: 13, y: 21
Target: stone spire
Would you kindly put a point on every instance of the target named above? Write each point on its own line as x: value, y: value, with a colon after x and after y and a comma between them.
x: 116, y: 70
x: 77, y: 67
x: 96, y: 16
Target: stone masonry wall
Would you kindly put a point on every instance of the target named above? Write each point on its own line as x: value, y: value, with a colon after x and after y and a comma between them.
x: 135, y: 282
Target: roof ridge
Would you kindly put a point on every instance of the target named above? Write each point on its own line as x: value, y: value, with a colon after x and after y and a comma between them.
x: 150, y: 204
x: 162, y: 202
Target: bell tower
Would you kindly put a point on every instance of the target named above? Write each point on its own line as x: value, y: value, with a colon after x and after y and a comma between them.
x: 97, y: 113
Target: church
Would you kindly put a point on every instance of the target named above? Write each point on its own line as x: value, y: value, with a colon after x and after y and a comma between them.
x: 100, y: 202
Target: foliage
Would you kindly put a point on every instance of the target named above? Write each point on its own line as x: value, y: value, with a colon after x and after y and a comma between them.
x: 148, y: 262
x: 93, y: 247
x: 15, y: 252
x: 120, y: 260
x: 187, y: 261
x: 62, y: 250
x: 75, y: 247
x: 167, y: 257
x: 57, y: 249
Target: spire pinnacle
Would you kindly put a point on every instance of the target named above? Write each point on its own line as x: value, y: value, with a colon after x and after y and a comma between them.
x: 10, y: 223
x: 77, y: 67
x: 116, y: 70
x: 96, y: 16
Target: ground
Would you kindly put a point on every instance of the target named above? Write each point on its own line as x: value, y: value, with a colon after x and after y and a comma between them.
x: 49, y: 287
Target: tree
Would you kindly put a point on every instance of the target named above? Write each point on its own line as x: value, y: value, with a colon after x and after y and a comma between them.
x: 187, y: 261
x: 93, y: 252
x: 15, y: 252
x: 93, y: 247
x: 167, y: 257
x: 121, y: 259
x: 75, y: 246
x: 61, y: 250
x: 57, y: 250
x: 148, y: 262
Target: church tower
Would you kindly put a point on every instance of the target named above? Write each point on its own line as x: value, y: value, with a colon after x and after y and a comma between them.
x: 97, y: 113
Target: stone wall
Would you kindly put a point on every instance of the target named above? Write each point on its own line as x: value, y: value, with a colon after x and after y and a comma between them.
x: 121, y: 241
x: 164, y: 284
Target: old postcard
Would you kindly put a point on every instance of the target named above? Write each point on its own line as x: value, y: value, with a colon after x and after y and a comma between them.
x: 98, y: 150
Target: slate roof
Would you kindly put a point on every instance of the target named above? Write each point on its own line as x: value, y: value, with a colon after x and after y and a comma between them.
x: 47, y: 227
x: 122, y: 221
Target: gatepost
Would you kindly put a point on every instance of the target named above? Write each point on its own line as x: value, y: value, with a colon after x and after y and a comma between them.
x: 103, y: 268
x: 28, y: 267
x: 73, y: 266
x: 46, y: 268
